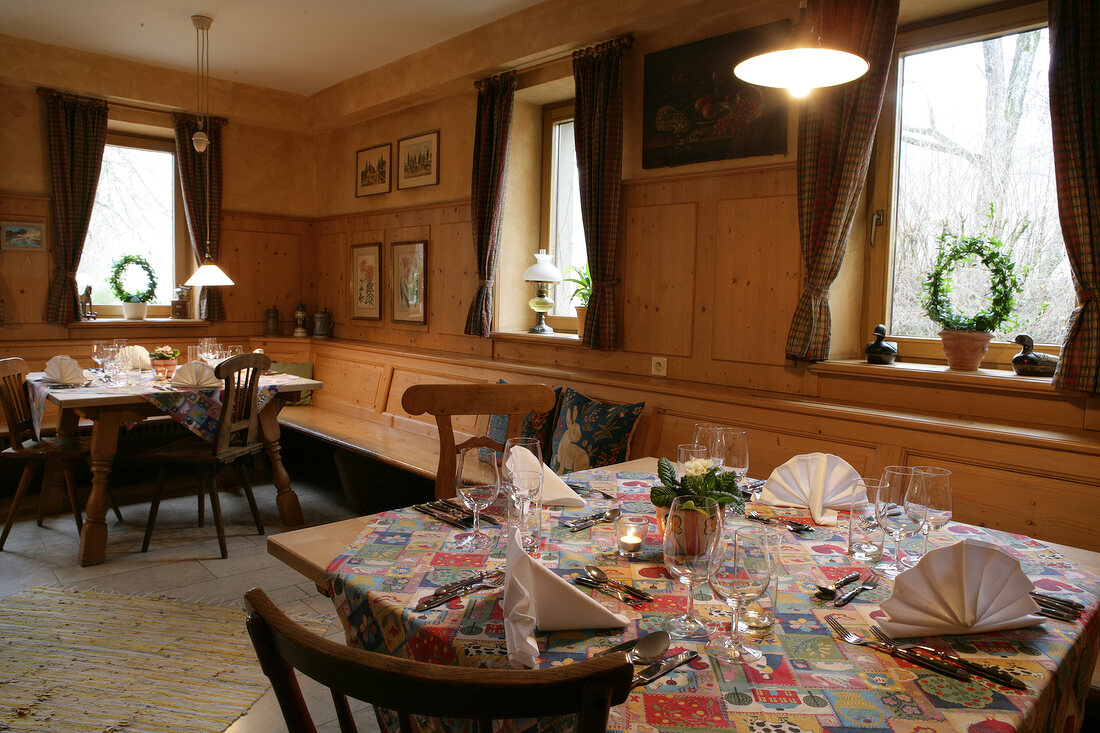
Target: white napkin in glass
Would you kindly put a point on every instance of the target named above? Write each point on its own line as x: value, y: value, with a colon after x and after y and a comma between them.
x: 968, y: 587
x: 555, y: 492
x: 535, y: 596
x: 64, y: 370
x: 821, y: 482
x: 135, y: 357
x: 195, y: 374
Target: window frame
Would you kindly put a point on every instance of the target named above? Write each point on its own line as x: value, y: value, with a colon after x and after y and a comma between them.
x: 551, y: 115
x: 184, y: 255
x: 881, y: 188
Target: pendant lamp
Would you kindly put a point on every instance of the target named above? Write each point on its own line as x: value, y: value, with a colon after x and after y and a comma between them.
x: 208, y: 274
x: 804, y: 64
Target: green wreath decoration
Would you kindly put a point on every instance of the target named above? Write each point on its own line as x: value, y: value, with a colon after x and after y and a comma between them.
x: 956, y: 250
x: 115, y: 281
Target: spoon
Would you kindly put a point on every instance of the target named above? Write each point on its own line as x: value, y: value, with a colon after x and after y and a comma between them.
x: 600, y: 576
x: 650, y: 648
x: 609, y: 516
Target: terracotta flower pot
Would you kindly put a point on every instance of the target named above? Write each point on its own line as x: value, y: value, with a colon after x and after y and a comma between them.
x: 581, y: 312
x: 965, y: 349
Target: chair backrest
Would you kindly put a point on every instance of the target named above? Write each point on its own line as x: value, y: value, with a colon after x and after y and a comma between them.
x: 408, y: 687
x: 238, y: 423
x: 15, y: 401
x: 444, y: 400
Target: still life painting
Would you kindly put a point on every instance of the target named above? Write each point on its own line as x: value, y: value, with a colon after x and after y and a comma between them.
x: 696, y: 110
x: 366, y: 278
x: 410, y: 282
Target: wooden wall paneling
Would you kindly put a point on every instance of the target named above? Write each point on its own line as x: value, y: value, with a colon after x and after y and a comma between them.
x: 452, y: 262
x: 332, y: 265
x: 403, y: 378
x: 659, y: 279
x: 265, y: 268
x: 348, y: 384
x: 757, y: 275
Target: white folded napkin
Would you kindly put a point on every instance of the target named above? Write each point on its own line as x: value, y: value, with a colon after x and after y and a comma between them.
x: 964, y: 588
x: 64, y: 370
x: 555, y: 492
x: 536, y: 596
x: 135, y: 357
x: 195, y: 374
x: 821, y: 482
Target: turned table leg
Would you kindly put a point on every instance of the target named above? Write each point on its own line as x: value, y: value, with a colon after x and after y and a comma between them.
x: 93, y: 537
x: 290, y: 511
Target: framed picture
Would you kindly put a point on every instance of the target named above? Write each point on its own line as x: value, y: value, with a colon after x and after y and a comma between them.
x: 410, y: 282
x: 372, y: 170
x: 695, y: 110
x: 418, y: 160
x: 23, y: 236
x: 366, y: 281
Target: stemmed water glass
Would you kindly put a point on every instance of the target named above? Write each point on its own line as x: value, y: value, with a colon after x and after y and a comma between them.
x: 706, y: 435
x: 933, y: 501
x: 692, y: 527
x: 477, y: 483
x: 899, y: 485
x: 523, y: 486
x: 733, y: 447
x: 99, y: 354
x: 740, y: 572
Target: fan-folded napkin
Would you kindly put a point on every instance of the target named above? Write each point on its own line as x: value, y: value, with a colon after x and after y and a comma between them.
x: 64, y: 370
x: 555, y: 492
x: 821, y: 482
x: 535, y: 596
x: 135, y: 357
x: 195, y: 374
x: 965, y: 588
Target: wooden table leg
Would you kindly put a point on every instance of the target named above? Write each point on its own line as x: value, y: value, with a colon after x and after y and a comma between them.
x: 290, y: 511
x: 93, y: 537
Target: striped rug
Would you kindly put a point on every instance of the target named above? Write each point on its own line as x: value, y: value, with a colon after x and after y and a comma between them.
x: 77, y: 660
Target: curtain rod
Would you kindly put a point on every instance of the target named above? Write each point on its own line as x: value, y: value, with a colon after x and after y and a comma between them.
x: 137, y: 107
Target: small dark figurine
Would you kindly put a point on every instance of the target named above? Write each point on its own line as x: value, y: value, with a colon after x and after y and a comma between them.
x: 86, y: 311
x: 1029, y: 363
x: 880, y: 351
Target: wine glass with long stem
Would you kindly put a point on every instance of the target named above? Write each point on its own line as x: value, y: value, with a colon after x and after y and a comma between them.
x: 934, y: 501
x: 733, y: 446
x: 99, y: 354
x: 692, y: 527
x: 706, y: 435
x: 522, y: 472
x: 891, y: 511
x: 477, y: 483
x: 740, y: 572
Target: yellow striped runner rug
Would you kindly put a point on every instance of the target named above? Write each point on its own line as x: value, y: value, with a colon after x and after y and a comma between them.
x: 78, y: 660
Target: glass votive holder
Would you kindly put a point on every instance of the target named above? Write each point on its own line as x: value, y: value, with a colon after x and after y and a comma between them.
x: 630, y: 533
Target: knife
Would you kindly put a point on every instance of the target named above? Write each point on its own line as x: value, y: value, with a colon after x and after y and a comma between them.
x: 636, y: 592
x: 440, y: 600
x: 626, y: 646
x: 1057, y: 599
x: 937, y: 666
x: 616, y: 594
x: 1051, y: 612
x: 460, y: 584
x: 446, y: 519
x: 466, y: 512
x: 662, y: 668
x: 984, y: 670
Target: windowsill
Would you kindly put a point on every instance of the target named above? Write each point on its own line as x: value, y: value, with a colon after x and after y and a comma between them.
x: 934, y: 374
x: 127, y: 323
x: 557, y: 339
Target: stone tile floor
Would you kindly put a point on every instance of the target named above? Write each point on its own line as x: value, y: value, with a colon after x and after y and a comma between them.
x: 183, y: 562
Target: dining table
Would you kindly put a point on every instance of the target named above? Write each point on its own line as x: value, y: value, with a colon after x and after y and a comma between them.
x: 124, y: 404
x: 806, y: 679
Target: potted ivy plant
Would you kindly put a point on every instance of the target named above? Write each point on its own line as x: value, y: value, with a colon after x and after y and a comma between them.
x: 582, y: 292
x: 966, y: 338
x: 134, y: 303
x: 701, y: 479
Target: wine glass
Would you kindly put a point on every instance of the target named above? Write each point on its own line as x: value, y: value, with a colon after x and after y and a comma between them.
x: 706, y: 435
x: 890, y: 510
x: 477, y: 483
x: 733, y: 447
x: 523, y: 486
x: 686, y: 453
x: 934, y: 501
x: 740, y: 572
x: 692, y: 527
x: 99, y: 354
x: 112, y: 363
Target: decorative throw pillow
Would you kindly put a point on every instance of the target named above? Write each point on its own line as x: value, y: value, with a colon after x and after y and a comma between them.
x: 590, y: 433
x: 300, y: 369
x: 535, y: 425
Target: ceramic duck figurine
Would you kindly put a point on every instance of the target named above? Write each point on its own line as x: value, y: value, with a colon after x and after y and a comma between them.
x: 1029, y: 363
x: 880, y: 351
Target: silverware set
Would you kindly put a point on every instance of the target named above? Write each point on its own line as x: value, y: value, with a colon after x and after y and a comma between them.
x: 590, y: 490
x: 895, y: 651
x: 482, y: 581
x: 577, y: 525
x: 983, y: 670
x: 870, y: 582
x: 828, y: 592
x: 597, y: 579
x: 452, y: 513
x: 1057, y: 608
x: 790, y: 524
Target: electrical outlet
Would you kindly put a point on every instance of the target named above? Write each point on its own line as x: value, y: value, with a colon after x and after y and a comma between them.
x: 659, y: 367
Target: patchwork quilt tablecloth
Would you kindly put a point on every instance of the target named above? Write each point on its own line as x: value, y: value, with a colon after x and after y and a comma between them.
x: 807, y: 679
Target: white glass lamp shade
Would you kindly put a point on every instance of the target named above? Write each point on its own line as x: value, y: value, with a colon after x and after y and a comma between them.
x: 208, y: 275
x: 543, y: 271
x: 801, y: 69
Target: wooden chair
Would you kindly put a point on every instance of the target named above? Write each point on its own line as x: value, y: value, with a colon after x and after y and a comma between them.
x: 445, y: 400
x: 587, y: 688
x: 236, y: 437
x: 34, y: 453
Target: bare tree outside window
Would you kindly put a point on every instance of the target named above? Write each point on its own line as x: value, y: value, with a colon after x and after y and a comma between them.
x: 975, y: 133
x: 566, y: 227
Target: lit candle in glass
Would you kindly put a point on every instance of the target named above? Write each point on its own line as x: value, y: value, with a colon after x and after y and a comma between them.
x: 631, y: 531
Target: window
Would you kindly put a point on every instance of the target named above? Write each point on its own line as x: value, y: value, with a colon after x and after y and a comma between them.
x: 562, y: 229
x: 138, y: 211
x: 973, y: 137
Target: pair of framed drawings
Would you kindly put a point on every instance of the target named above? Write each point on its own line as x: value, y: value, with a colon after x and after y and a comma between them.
x: 417, y: 165
x: 408, y: 282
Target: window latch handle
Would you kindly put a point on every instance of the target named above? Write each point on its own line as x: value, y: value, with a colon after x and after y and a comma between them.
x: 876, y: 222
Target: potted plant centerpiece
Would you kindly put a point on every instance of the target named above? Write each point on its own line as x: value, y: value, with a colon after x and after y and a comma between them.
x: 164, y: 361
x: 581, y: 293
x: 966, y: 338
x: 134, y: 304
x: 701, y: 479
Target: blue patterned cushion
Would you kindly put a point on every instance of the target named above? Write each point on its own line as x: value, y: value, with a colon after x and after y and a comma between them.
x: 590, y: 433
x: 535, y: 425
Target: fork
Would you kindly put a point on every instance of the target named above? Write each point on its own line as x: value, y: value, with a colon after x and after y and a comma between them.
x: 870, y: 582
x: 989, y: 672
x: 937, y: 666
x: 788, y: 523
x: 589, y: 489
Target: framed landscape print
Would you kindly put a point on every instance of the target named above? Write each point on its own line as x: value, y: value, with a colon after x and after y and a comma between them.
x: 373, y: 170
x: 418, y: 160
x: 366, y: 281
x: 410, y: 282
x: 23, y: 236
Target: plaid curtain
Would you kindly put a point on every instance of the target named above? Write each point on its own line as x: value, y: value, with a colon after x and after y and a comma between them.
x: 1075, y: 119
x: 76, y: 133
x: 835, y: 131
x: 491, y: 136
x: 598, y: 130
x: 193, y: 178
